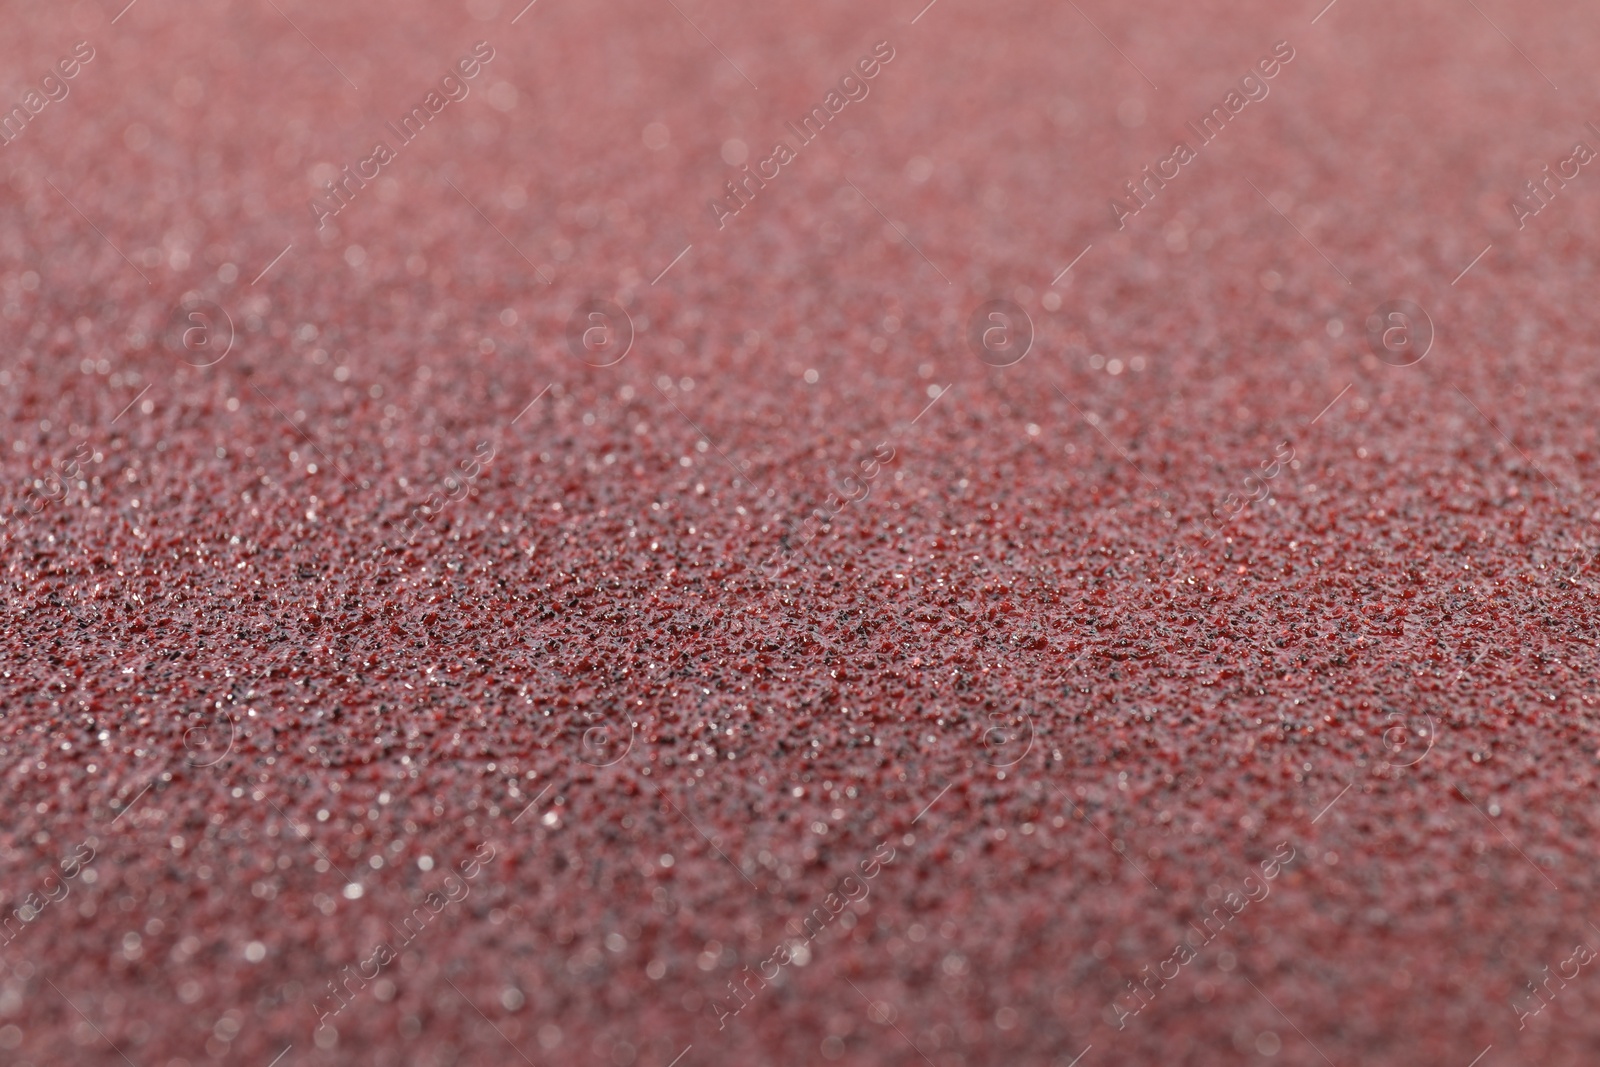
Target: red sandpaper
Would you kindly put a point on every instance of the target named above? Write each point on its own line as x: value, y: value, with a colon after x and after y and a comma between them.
x: 671, y: 534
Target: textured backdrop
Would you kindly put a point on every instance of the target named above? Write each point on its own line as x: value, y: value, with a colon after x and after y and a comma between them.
x: 675, y: 533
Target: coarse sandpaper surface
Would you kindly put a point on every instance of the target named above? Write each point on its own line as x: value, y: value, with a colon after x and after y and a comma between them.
x: 675, y: 533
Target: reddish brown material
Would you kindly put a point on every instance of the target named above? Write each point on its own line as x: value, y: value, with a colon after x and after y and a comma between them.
x: 411, y: 647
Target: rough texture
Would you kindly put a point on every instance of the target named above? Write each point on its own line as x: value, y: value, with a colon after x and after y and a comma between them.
x: 625, y: 711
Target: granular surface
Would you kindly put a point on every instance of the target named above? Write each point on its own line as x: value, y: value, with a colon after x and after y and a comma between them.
x: 679, y: 534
